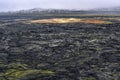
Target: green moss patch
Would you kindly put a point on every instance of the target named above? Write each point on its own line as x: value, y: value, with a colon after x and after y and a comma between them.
x: 18, y: 74
x: 18, y: 71
x: 89, y: 78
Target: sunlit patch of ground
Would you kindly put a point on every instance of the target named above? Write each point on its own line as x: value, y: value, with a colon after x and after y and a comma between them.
x: 70, y: 20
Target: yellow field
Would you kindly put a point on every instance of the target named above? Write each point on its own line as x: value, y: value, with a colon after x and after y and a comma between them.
x: 69, y: 20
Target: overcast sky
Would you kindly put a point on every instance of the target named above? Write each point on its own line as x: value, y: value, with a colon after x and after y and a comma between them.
x: 12, y: 5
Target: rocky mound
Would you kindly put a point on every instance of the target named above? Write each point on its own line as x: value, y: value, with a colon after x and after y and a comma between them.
x: 60, y: 51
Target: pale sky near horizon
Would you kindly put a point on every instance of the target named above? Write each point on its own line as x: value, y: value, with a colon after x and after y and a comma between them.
x: 12, y: 5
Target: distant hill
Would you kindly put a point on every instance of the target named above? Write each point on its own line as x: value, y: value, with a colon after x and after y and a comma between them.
x: 40, y: 11
x: 107, y: 9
